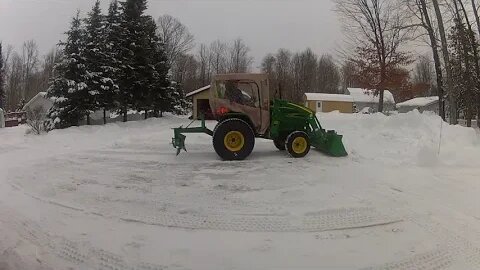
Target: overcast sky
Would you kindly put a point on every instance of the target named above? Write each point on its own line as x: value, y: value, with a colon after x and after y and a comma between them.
x: 265, y: 25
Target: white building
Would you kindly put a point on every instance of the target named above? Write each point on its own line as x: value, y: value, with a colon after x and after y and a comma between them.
x: 421, y: 104
x: 364, y: 98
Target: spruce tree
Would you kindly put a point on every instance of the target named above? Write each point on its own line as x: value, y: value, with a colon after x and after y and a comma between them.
x: 143, y: 69
x: 113, y: 41
x: 2, y: 80
x: 161, y: 92
x: 131, y: 55
x: 69, y: 87
x: 464, y: 78
x: 101, y: 86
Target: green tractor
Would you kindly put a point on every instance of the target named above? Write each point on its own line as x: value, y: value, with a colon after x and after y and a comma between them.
x: 242, y: 106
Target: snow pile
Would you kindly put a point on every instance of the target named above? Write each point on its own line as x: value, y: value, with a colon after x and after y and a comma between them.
x: 117, y: 197
x: 404, y: 138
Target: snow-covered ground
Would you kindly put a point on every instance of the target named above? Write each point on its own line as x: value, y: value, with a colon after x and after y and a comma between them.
x: 117, y: 197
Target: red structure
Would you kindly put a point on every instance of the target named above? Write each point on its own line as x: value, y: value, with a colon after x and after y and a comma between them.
x: 14, y: 119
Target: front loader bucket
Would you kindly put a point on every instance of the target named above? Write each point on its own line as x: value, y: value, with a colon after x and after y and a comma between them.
x: 331, y: 144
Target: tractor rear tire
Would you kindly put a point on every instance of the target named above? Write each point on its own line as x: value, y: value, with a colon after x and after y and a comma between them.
x: 298, y: 144
x: 280, y: 144
x: 233, y: 139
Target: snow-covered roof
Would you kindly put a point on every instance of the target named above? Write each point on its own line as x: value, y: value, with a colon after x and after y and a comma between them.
x: 368, y: 96
x: 328, y: 97
x: 418, y: 102
x: 37, y: 96
x: 198, y: 91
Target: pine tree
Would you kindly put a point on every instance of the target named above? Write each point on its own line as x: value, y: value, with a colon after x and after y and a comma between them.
x: 133, y: 57
x: 2, y: 80
x: 465, y: 80
x: 162, y: 93
x: 113, y: 41
x: 69, y: 87
x: 101, y: 86
x: 180, y: 105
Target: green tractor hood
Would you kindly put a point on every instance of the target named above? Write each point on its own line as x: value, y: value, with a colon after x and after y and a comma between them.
x: 297, y: 117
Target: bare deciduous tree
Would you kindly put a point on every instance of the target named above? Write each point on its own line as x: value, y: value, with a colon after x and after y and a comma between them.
x: 423, y: 72
x: 421, y: 10
x: 178, y: 40
x: 328, y: 77
x: 30, y: 64
x: 36, y: 119
x: 283, y: 68
x: 376, y: 26
x: 204, y: 65
x: 348, y: 75
x: 452, y: 102
x: 218, y: 50
x: 185, y: 72
x: 239, y: 60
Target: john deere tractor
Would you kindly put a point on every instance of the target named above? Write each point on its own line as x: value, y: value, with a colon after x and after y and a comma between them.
x: 242, y: 106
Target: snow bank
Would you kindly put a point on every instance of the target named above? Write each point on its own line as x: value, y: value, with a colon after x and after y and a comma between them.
x: 404, y: 138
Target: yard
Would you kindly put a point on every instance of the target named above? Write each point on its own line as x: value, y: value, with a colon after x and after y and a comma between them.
x: 117, y: 197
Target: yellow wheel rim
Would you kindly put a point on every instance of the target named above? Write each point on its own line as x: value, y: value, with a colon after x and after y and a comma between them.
x: 234, y: 141
x: 299, y: 145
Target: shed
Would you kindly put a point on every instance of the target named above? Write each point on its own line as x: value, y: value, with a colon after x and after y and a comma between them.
x: 422, y: 104
x: 364, y: 98
x: 319, y: 102
x: 201, y: 102
x: 40, y: 102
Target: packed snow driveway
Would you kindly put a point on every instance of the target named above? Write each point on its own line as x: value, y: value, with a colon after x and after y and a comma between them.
x: 117, y: 197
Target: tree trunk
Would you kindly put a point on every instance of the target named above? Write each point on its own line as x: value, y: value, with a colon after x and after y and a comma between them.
x: 380, y: 103
x: 446, y: 58
x: 477, y: 19
x: 436, y: 58
x: 469, y: 117
x: 88, y: 119
x: 125, y: 115
x: 471, y: 38
x: 104, y: 116
x: 146, y: 114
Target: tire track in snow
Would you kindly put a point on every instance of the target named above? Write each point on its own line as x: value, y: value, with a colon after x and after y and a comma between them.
x: 76, y: 255
x: 331, y: 219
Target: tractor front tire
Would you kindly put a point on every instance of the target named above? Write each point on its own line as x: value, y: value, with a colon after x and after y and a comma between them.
x: 233, y: 139
x: 280, y: 144
x: 298, y: 144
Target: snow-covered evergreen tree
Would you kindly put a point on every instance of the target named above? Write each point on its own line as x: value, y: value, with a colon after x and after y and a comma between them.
x: 101, y: 86
x: 161, y: 91
x: 132, y: 56
x: 69, y: 85
x: 113, y: 42
x: 180, y: 105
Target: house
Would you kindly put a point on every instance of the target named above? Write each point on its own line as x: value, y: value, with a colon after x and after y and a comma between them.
x: 319, y: 102
x: 39, y: 102
x: 364, y: 98
x: 421, y: 104
x: 201, y: 102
